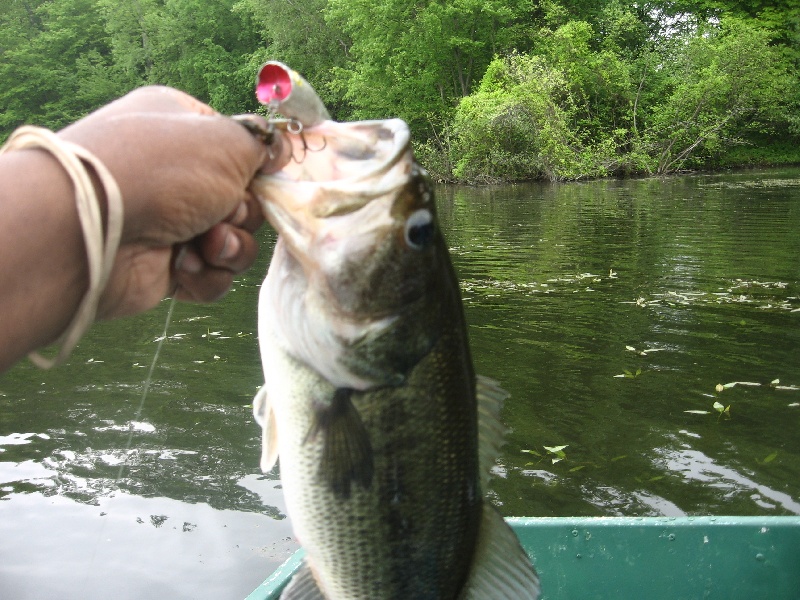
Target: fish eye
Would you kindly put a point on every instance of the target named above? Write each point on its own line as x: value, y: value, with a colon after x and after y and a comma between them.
x: 419, y: 229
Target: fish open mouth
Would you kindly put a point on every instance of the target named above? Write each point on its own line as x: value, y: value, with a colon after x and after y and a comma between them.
x: 336, y: 169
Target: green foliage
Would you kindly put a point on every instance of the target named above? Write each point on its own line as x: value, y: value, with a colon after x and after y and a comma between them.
x: 725, y: 83
x: 515, y: 126
x: 55, y: 63
x: 416, y: 60
x: 200, y: 47
x: 493, y: 90
x: 561, y: 115
x: 600, y: 79
x: 298, y: 34
x: 63, y: 58
x: 578, y: 106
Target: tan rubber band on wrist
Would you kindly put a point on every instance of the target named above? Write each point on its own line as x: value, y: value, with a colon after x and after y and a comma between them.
x: 100, y: 253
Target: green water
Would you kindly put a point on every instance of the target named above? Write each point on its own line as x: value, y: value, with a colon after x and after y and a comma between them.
x: 608, y: 309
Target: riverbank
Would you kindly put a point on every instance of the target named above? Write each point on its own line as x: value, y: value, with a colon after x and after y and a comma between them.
x: 781, y: 156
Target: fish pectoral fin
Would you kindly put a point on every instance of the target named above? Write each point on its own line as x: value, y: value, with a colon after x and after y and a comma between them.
x: 347, y: 451
x: 491, y: 431
x: 265, y: 416
x: 501, y: 570
x: 302, y: 586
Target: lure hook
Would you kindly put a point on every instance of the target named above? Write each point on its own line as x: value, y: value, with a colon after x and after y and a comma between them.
x: 307, y: 148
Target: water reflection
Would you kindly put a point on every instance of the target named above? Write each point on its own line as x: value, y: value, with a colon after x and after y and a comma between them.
x: 99, y: 541
x: 695, y: 466
x: 130, y: 547
x: 610, y: 310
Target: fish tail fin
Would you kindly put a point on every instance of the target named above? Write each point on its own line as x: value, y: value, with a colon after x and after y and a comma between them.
x: 302, y: 586
x: 501, y: 570
x: 491, y: 430
x: 265, y: 416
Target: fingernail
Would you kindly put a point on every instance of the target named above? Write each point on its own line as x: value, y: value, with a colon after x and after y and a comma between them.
x: 239, y: 216
x: 189, y: 262
x: 231, y: 248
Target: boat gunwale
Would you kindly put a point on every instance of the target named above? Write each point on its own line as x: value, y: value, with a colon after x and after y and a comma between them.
x: 581, y: 527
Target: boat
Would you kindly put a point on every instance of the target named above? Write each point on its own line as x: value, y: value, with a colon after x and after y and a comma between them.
x: 652, y: 558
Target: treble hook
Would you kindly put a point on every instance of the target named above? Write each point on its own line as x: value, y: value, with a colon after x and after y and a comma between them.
x: 306, y: 147
x: 267, y: 134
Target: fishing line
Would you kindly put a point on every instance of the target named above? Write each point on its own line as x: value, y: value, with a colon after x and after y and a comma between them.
x: 146, y: 389
x: 135, y: 419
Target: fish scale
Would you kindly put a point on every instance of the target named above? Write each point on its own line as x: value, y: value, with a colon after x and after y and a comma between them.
x: 383, y: 431
x: 423, y: 488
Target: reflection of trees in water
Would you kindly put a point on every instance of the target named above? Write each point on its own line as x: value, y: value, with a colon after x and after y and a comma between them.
x: 561, y: 281
x: 191, y: 443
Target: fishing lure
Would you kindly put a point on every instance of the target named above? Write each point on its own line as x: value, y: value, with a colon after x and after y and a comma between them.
x: 284, y: 91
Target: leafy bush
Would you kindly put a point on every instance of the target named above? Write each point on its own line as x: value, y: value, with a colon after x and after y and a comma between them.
x: 578, y: 109
x: 518, y: 126
x: 724, y: 85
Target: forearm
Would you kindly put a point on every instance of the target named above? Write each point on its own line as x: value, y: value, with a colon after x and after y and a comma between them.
x: 43, y: 266
x: 183, y: 172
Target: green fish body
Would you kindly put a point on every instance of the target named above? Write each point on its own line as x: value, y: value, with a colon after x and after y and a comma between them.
x: 385, y: 434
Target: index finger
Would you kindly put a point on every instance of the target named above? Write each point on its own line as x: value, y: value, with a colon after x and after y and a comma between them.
x: 157, y: 94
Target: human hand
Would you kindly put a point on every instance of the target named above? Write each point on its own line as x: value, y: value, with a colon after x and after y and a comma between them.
x: 184, y: 173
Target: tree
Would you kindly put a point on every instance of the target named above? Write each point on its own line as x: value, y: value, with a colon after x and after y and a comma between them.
x: 56, y: 63
x: 516, y: 126
x: 131, y: 26
x: 600, y: 79
x: 725, y: 83
x: 416, y: 60
x: 202, y: 47
x: 297, y: 33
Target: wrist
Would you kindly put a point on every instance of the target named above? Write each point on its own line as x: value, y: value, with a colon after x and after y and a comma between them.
x: 100, y: 249
x: 43, y: 267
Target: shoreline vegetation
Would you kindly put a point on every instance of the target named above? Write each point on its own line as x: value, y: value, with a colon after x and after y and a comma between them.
x: 495, y: 91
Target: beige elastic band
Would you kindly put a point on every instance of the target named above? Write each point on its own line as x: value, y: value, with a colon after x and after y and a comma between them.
x: 100, y: 255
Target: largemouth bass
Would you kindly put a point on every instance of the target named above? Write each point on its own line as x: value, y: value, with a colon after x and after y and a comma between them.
x: 385, y: 434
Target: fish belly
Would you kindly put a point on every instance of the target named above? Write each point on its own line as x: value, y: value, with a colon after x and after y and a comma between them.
x: 411, y: 532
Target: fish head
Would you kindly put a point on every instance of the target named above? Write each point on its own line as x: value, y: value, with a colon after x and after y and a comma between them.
x: 360, y: 261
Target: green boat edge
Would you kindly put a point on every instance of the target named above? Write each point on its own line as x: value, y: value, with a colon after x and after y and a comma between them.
x: 657, y: 558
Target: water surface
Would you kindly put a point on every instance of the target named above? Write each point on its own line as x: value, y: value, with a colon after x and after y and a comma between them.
x: 608, y: 309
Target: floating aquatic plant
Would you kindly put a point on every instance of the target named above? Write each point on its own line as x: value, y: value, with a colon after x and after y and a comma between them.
x: 556, y: 453
x: 774, y: 384
x: 217, y: 335
x: 768, y: 458
x: 722, y: 410
x: 720, y: 387
x: 758, y: 294
x: 717, y: 406
x: 490, y: 287
x: 644, y: 352
x: 174, y: 337
x: 629, y: 374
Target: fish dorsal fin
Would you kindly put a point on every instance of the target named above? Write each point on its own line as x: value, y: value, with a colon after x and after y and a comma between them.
x: 302, y: 586
x: 491, y: 431
x: 501, y: 570
x: 347, y: 451
x: 265, y: 416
